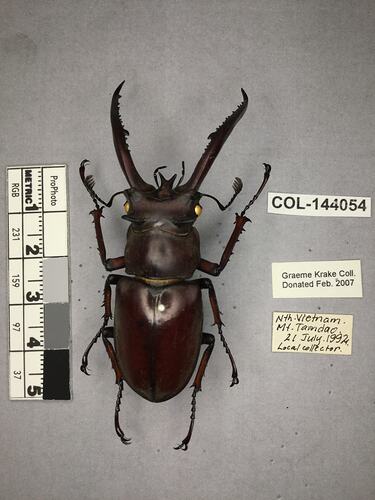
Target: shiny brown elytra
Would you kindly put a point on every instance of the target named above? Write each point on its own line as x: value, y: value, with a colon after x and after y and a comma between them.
x: 157, y: 331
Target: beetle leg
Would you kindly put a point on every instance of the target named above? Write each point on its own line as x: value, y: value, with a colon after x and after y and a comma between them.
x: 97, y: 213
x: 112, y: 279
x: 215, y: 269
x: 84, y: 361
x: 108, y: 333
x: 118, y: 429
x: 109, y: 264
x: 209, y: 339
x: 206, y: 283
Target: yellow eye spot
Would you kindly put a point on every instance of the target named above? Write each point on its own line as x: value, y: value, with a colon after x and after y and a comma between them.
x: 198, y: 210
x: 127, y: 207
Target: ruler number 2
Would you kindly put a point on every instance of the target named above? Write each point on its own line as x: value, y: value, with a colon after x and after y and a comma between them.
x: 34, y: 250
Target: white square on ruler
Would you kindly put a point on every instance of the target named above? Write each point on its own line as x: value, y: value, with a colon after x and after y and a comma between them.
x: 55, y: 234
x: 16, y: 328
x: 16, y: 375
x: 54, y: 189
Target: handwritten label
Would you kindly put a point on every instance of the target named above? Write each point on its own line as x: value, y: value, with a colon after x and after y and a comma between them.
x: 312, y: 333
x: 319, y: 205
x: 335, y: 278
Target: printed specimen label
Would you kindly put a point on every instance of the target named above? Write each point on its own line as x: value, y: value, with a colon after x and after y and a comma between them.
x: 334, y: 278
x: 321, y: 205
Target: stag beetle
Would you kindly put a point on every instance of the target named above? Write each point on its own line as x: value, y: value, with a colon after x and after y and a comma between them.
x: 158, y: 317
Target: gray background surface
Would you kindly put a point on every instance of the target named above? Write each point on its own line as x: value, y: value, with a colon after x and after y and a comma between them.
x: 298, y: 426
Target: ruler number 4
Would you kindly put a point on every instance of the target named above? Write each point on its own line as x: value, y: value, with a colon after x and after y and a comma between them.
x: 33, y: 342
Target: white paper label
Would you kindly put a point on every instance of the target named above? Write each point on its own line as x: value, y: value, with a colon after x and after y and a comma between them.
x: 319, y: 205
x: 335, y: 278
x: 312, y: 333
x: 54, y: 189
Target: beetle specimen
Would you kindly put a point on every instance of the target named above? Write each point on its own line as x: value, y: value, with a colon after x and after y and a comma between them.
x: 158, y: 318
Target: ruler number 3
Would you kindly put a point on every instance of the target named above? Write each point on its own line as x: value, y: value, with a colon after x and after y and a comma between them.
x: 32, y: 298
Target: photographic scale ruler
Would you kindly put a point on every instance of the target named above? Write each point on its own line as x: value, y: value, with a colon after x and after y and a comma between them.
x: 38, y: 276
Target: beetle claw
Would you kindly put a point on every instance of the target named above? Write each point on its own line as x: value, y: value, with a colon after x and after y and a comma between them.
x: 235, y: 381
x: 183, y: 446
x: 84, y: 369
x: 126, y: 440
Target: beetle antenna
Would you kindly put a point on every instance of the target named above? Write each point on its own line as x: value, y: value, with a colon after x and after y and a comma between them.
x: 118, y: 429
x: 156, y: 176
x: 237, y: 187
x: 182, y: 174
x: 89, y: 183
x: 267, y: 172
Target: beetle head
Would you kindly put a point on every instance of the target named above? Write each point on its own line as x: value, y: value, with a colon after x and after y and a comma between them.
x: 165, y: 205
x: 177, y: 205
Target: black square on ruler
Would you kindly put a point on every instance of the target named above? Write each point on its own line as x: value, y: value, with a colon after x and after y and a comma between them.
x: 56, y: 374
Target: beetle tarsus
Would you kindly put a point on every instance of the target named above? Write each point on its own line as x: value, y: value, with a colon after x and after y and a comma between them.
x: 227, y: 350
x: 84, y: 362
x: 184, y: 444
x: 267, y: 172
x: 119, y: 431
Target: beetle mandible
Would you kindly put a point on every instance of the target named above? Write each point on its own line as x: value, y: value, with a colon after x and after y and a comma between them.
x: 157, y: 331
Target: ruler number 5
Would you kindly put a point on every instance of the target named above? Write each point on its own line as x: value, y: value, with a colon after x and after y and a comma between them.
x: 33, y: 390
